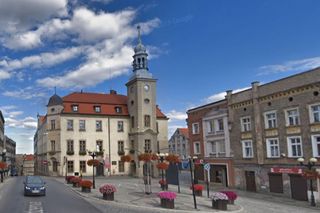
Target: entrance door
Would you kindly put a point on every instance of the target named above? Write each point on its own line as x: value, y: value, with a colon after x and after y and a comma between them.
x: 100, y: 169
x: 218, y: 174
x: 250, y: 181
x: 275, y: 182
x: 298, y: 187
x: 54, y: 166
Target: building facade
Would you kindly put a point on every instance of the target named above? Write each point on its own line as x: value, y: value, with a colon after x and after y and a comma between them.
x: 210, y: 141
x: 109, y: 124
x: 271, y: 126
x: 10, y: 146
x: 179, y: 143
x: 2, y: 136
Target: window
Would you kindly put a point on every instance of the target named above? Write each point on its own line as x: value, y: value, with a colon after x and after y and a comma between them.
x: 53, y: 145
x: 147, y: 145
x: 82, y: 125
x: 218, y: 147
x: 120, y: 126
x: 118, y: 109
x: 99, y: 146
x: 196, y: 148
x: 53, y: 124
x: 132, y: 121
x: 120, y: 146
x: 314, y: 113
x: 75, y: 108
x: 147, y: 120
x: 69, y: 145
x: 219, y: 124
x: 157, y: 127
x: 82, y: 144
x: 70, y: 125
x: 294, y: 147
x: 316, y: 145
x: 97, y: 109
x: 132, y: 144
x: 173, y: 147
x: 273, y: 148
x: 247, y: 149
x: 195, y: 128
x: 292, y: 117
x: 210, y: 126
x: 83, y: 166
x: 98, y: 126
x: 270, y: 120
x: 70, y: 167
x: 245, y: 124
x: 121, y: 166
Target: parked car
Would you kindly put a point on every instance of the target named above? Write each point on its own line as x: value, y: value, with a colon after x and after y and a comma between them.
x: 34, y: 185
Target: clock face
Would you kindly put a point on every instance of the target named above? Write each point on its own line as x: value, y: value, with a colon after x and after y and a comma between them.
x: 146, y: 87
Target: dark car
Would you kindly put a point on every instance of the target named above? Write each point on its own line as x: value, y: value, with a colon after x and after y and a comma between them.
x: 34, y: 185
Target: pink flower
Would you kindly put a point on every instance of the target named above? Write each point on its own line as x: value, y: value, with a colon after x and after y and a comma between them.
x: 107, y: 189
x: 167, y: 195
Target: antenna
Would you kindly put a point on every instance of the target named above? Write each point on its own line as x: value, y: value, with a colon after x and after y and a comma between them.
x: 139, y: 34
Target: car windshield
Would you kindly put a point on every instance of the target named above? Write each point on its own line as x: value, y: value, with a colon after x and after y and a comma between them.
x: 34, y: 180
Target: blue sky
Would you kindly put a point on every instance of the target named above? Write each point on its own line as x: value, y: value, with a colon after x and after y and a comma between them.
x: 198, y: 50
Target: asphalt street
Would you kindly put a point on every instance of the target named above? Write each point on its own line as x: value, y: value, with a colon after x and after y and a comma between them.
x: 58, y: 199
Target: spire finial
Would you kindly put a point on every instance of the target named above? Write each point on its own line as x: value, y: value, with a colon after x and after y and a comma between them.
x: 139, y: 34
x: 55, y: 90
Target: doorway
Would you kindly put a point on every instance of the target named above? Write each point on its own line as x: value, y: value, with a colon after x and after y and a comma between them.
x: 250, y: 181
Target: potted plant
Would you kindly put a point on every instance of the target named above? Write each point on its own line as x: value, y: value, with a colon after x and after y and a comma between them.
x: 232, y: 196
x: 126, y: 158
x: 163, y: 184
x: 219, y: 201
x: 167, y: 199
x: 86, y: 185
x: 75, y: 181
x: 68, y: 179
x: 197, y: 189
x: 108, y: 191
x: 92, y: 162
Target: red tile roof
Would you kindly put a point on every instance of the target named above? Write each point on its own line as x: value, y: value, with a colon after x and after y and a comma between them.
x: 184, y: 131
x: 29, y: 157
x: 108, y: 102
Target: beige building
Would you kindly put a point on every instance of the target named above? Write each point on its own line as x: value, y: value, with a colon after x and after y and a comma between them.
x: 2, y: 137
x: 109, y: 124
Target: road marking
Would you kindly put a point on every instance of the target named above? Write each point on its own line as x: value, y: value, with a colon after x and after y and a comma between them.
x: 35, y: 207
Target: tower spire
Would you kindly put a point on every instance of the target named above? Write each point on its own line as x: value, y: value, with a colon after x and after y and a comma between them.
x: 139, y: 34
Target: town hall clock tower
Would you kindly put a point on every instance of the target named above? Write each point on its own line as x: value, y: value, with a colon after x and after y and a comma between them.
x: 141, y: 91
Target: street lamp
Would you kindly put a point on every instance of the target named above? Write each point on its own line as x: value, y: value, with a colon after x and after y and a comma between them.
x: 162, y: 157
x: 191, y: 163
x: 93, y: 155
x: 311, y: 163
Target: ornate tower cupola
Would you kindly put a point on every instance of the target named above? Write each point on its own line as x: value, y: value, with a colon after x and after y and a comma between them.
x: 140, y: 60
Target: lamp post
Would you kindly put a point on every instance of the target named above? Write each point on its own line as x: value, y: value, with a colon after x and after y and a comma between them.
x: 93, y: 155
x: 3, y: 158
x: 162, y: 156
x: 311, y: 163
x: 191, y: 163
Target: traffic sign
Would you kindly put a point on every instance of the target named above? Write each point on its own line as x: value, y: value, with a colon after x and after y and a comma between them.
x: 207, y: 166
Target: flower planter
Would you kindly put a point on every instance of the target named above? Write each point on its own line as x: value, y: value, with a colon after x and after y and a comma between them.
x: 76, y: 184
x: 231, y: 202
x: 198, y: 193
x: 85, y: 189
x: 164, y: 186
x: 109, y: 196
x: 219, y: 204
x: 166, y: 203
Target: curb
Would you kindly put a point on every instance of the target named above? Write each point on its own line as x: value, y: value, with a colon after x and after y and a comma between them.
x: 139, y: 207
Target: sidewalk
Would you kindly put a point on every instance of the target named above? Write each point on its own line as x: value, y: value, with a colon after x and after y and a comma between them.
x: 130, y: 191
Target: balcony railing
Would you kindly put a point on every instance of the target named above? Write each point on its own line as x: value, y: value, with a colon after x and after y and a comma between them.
x: 217, y: 154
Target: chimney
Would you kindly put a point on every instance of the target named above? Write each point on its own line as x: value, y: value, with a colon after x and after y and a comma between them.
x: 113, y: 92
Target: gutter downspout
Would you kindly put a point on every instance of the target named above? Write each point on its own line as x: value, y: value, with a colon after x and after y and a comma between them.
x: 109, y: 144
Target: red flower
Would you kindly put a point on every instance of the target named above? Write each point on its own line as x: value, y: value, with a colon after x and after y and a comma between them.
x: 126, y: 158
x: 75, y: 180
x: 93, y: 162
x: 162, y: 166
x: 173, y: 158
x: 85, y: 183
x: 197, y: 187
x: 162, y: 182
x: 3, y: 165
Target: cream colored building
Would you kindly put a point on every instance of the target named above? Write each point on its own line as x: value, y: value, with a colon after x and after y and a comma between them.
x: 110, y: 124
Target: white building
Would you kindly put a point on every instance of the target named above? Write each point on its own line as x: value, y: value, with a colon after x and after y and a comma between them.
x: 110, y: 124
x: 179, y: 143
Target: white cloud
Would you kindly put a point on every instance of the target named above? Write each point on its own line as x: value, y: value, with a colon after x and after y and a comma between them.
x: 175, y: 115
x: 25, y: 94
x: 46, y: 59
x: 4, y: 75
x: 291, y: 66
x: 27, y: 123
x: 17, y: 15
x: 221, y: 95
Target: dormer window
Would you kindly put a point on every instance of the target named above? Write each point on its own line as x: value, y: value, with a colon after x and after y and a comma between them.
x: 75, y: 108
x: 97, y: 108
x: 118, y: 109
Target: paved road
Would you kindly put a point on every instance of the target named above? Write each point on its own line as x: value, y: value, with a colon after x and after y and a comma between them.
x: 59, y: 199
